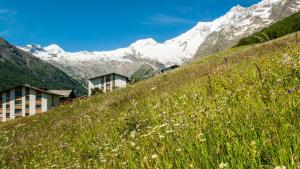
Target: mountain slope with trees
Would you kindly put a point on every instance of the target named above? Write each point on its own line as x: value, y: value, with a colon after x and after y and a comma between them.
x: 19, y: 67
x: 286, y: 26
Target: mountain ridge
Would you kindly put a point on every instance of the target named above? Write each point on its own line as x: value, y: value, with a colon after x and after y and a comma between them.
x: 203, y: 39
x: 184, y: 46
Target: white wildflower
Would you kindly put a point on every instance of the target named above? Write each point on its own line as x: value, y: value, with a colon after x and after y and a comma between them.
x: 154, y: 156
x: 169, y: 131
x: 280, y: 167
x: 222, y: 165
x: 132, y: 144
x: 161, y: 136
x: 133, y: 134
x: 103, y: 161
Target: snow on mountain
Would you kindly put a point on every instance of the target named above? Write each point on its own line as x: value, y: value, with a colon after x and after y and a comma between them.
x: 205, y: 37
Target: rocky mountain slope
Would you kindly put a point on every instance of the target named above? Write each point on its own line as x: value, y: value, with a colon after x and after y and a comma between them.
x: 240, y: 22
x: 204, y: 38
x: 276, y: 30
x: 20, y: 67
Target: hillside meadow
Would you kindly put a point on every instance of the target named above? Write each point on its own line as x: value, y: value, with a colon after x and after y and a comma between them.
x: 239, y: 108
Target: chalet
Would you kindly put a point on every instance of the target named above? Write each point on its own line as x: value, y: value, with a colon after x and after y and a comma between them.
x: 25, y: 100
x: 64, y: 95
x: 108, y: 82
x: 169, y: 68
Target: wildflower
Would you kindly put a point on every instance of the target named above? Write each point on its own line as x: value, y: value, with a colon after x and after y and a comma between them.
x: 161, y: 136
x: 169, y: 131
x: 179, y: 150
x: 103, y: 161
x: 154, y: 156
x: 132, y: 144
x: 203, y: 140
x: 133, y: 134
x: 177, y: 124
x: 222, y: 165
x: 163, y: 125
x: 145, y: 158
x: 153, y: 88
x: 280, y: 167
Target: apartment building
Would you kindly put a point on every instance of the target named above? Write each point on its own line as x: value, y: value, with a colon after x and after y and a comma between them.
x: 25, y: 100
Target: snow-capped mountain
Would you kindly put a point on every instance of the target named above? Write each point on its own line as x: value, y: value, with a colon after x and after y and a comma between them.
x: 204, y: 38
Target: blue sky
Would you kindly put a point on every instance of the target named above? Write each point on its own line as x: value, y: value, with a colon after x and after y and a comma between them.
x: 104, y: 24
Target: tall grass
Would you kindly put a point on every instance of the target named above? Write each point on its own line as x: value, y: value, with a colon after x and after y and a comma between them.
x: 236, y: 109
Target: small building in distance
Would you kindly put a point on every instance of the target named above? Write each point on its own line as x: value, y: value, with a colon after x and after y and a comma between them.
x: 64, y: 95
x: 169, y: 68
x: 25, y: 100
x: 108, y: 82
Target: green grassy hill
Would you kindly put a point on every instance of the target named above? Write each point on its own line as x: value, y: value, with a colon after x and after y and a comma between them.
x: 235, y: 109
x: 19, y: 67
x: 286, y: 26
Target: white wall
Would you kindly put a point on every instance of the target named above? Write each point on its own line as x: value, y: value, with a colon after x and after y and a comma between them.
x: 12, y: 104
x: 3, y: 106
x: 120, y: 82
x: 95, y: 83
x: 32, y: 98
x: 44, y: 102
x: 23, y: 101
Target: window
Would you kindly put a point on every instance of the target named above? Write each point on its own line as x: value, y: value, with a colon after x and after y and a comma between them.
x: 108, y: 78
x: 108, y: 86
x: 1, y: 101
x: 7, y: 96
x: 27, y: 91
x: 18, y: 102
x: 38, y: 95
x: 7, y: 106
x: 18, y: 92
x: 114, y: 82
x: 38, y: 106
x: 18, y: 111
x: 26, y: 114
x: 7, y: 115
x: 27, y: 106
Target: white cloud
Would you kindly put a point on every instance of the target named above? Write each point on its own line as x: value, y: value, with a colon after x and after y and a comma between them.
x: 7, y: 15
x: 167, y: 20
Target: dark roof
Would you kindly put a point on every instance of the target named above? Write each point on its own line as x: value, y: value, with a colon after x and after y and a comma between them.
x: 170, y: 67
x: 101, y: 75
x: 27, y: 85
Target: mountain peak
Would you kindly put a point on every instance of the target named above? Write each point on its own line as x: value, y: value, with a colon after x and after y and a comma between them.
x: 54, y: 49
x: 144, y: 42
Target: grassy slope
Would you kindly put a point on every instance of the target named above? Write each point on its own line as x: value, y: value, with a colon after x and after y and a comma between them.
x: 279, y: 29
x: 198, y: 116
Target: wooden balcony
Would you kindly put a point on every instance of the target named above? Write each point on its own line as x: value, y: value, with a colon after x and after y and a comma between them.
x: 39, y: 111
x: 18, y: 107
x: 38, y: 102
